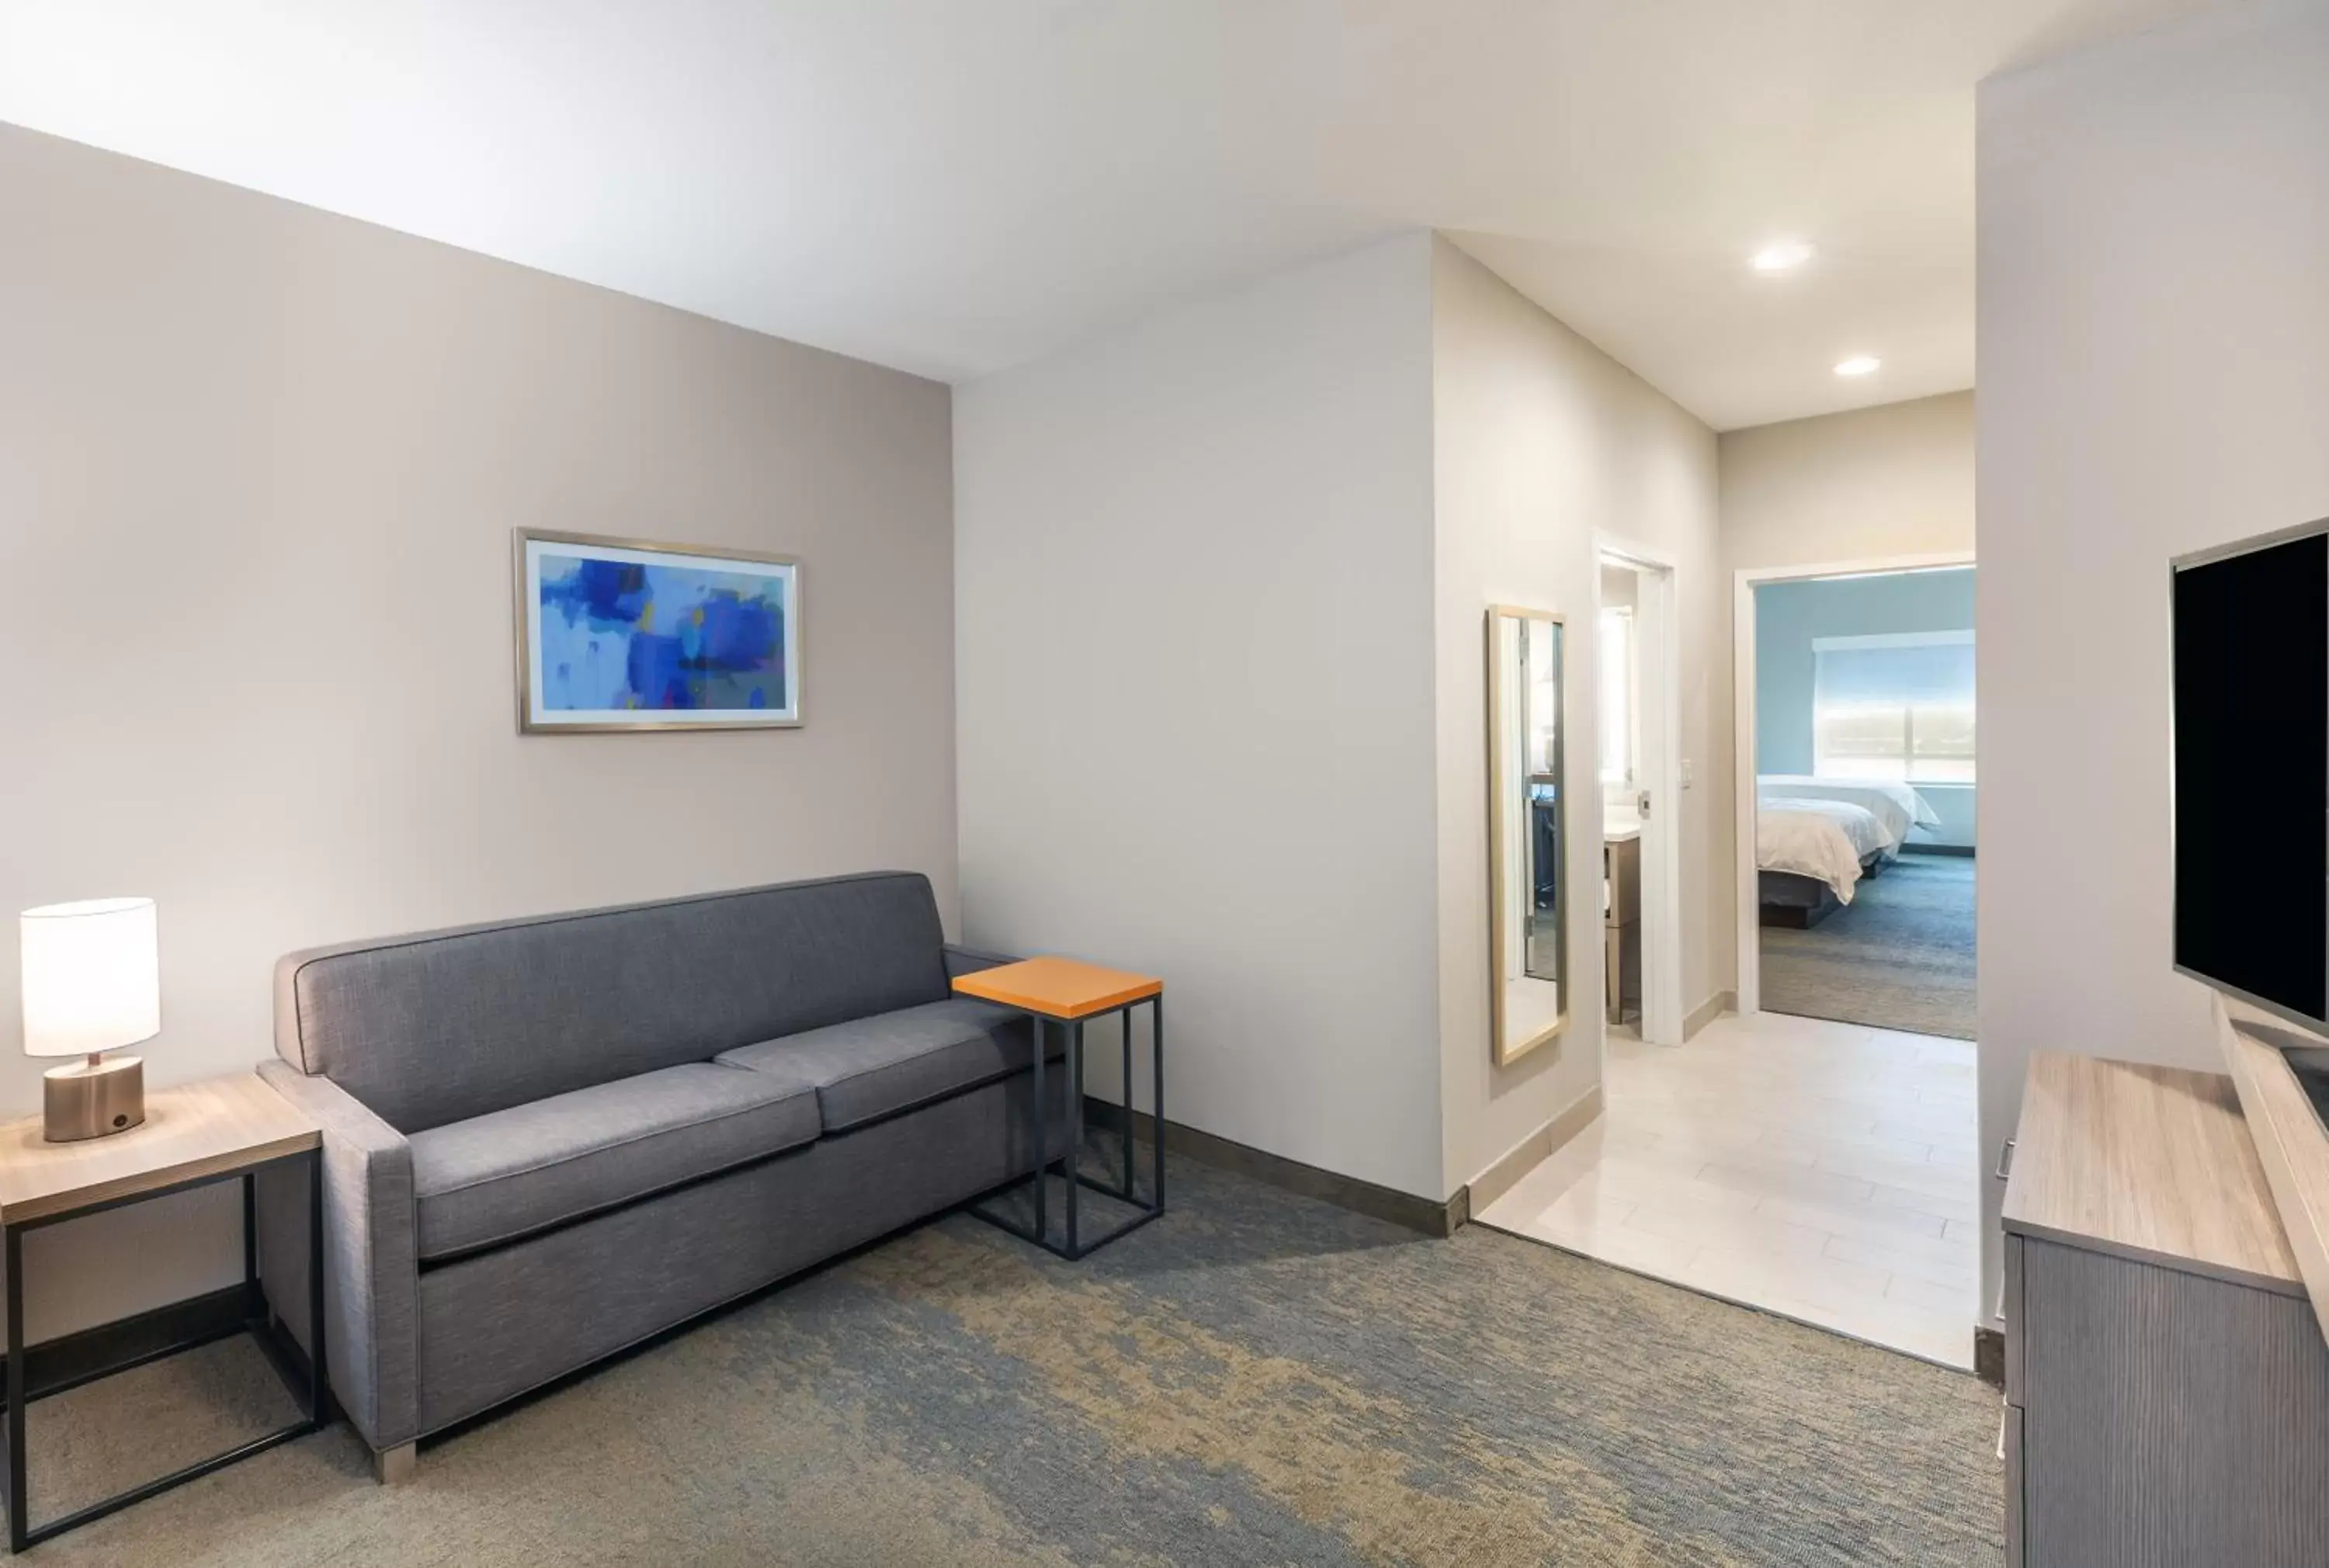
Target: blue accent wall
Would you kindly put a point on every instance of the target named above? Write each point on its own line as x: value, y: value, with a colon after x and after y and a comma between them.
x: 1789, y: 616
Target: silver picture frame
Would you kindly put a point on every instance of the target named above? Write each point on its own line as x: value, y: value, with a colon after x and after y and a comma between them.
x: 533, y: 716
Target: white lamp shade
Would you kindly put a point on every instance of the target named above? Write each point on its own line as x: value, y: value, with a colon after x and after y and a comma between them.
x: 92, y: 976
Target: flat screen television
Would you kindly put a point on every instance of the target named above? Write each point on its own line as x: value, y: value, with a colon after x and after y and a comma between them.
x: 2252, y: 771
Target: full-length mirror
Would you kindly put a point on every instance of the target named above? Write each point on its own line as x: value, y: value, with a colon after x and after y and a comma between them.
x: 1528, y: 833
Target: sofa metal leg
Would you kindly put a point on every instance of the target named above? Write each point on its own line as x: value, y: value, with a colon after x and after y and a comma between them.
x: 394, y: 1466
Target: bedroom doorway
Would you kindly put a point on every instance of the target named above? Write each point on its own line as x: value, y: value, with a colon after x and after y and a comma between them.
x: 1857, y: 775
x: 1637, y: 658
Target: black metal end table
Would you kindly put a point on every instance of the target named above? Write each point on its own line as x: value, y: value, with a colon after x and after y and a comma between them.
x: 229, y: 1129
x: 1070, y: 994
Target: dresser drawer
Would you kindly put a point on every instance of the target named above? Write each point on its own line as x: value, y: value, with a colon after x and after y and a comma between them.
x: 2009, y: 1307
x: 2168, y: 1420
x: 2012, y: 1442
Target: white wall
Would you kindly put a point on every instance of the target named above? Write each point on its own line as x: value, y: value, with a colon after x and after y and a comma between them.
x: 258, y: 467
x: 1193, y: 670
x: 2153, y: 340
x: 1871, y: 484
x: 1894, y: 480
x: 1541, y: 441
x: 1220, y: 581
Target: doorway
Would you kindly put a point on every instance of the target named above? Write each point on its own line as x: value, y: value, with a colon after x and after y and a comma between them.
x: 1637, y: 658
x: 1857, y: 774
x: 1819, y: 1171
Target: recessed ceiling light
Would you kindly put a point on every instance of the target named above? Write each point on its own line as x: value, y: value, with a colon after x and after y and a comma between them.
x: 1780, y: 257
x: 1858, y: 365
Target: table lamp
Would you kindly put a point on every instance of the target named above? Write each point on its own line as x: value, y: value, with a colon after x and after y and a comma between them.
x: 92, y: 984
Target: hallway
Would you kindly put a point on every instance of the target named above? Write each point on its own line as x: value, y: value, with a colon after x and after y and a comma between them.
x: 1822, y: 1172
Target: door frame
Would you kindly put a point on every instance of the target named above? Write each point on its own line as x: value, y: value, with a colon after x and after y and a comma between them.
x: 1743, y: 744
x: 1658, y: 633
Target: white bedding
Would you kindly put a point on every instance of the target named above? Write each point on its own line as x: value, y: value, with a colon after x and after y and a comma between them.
x: 1896, y: 807
x: 1824, y: 839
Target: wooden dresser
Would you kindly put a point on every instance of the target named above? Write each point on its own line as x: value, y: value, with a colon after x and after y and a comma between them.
x: 2167, y: 1379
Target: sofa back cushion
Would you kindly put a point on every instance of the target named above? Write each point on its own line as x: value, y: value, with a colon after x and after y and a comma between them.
x: 447, y: 1025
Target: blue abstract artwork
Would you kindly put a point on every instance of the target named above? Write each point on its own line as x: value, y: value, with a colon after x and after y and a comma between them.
x: 625, y: 637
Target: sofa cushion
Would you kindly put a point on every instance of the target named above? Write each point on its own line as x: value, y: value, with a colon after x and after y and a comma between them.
x: 877, y: 1066
x: 491, y: 1179
x: 447, y: 1025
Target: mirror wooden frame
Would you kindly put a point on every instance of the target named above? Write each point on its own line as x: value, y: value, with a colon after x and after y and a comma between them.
x: 1506, y: 1051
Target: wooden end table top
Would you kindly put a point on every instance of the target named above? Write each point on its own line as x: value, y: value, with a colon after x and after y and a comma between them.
x: 1058, y: 987
x: 205, y: 1127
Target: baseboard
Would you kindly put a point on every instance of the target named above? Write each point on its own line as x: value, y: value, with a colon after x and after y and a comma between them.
x: 1446, y: 1219
x: 1989, y: 1356
x: 1707, y: 1012
x: 1367, y: 1197
x: 1963, y: 849
x: 1533, y: 1149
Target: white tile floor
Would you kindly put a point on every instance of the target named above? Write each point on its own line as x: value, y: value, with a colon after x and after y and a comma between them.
x: 1821, y: 1170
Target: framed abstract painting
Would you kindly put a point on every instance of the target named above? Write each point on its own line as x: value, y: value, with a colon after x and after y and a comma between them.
x: 620, y: 634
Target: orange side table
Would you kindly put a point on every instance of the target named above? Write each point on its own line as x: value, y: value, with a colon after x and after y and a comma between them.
x: 1061, y: 991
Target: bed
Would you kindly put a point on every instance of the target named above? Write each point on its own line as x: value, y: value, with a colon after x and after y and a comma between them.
x: 1810, y: 855
x: 1898, y: 808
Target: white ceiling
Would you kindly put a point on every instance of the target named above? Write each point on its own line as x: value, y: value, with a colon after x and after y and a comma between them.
x: 955, y: 186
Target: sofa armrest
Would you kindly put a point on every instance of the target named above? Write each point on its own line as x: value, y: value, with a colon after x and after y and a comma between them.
x: 961, y: 961
x: 371, y: 1267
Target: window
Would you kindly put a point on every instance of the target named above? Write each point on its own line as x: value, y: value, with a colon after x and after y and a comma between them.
x: 1894, y: 706
x: 1617, y: 652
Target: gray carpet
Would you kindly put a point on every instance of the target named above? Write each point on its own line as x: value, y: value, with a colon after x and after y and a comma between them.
x: 1899, y: 957
x: 1257, y: 1379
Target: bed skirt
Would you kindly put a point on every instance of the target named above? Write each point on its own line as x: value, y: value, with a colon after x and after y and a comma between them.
x: 1799, y: 903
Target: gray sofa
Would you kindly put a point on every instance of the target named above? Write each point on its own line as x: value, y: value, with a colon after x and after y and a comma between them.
x: 547, y: 1139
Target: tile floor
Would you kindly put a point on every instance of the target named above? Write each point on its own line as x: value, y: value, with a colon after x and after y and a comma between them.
x: 1824, y: 1171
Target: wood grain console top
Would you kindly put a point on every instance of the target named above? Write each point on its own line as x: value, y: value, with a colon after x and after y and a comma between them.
x: 2291, y: 1144
x: 1058, y: 987
x: 200, y: 1129
x: 2150, y: 1162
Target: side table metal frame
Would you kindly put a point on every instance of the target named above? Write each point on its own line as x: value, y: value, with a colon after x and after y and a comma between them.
x: 26, y: 1383
x: 1076, y: 1245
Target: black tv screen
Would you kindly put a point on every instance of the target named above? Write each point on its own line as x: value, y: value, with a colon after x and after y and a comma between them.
x: 2251, y: 758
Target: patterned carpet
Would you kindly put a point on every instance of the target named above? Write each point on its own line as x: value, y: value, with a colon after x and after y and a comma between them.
x: 1899, y: 957
x: 1257, y: 1379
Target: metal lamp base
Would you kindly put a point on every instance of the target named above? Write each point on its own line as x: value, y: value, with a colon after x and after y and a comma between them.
x: 93, y: 1099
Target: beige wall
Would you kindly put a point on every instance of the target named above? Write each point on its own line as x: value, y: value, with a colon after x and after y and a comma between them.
x: 1894, y: 480
x: 1195, y: 669
x: 1542, y: 441
x: 2154, y: 360
x: 258, y: 467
